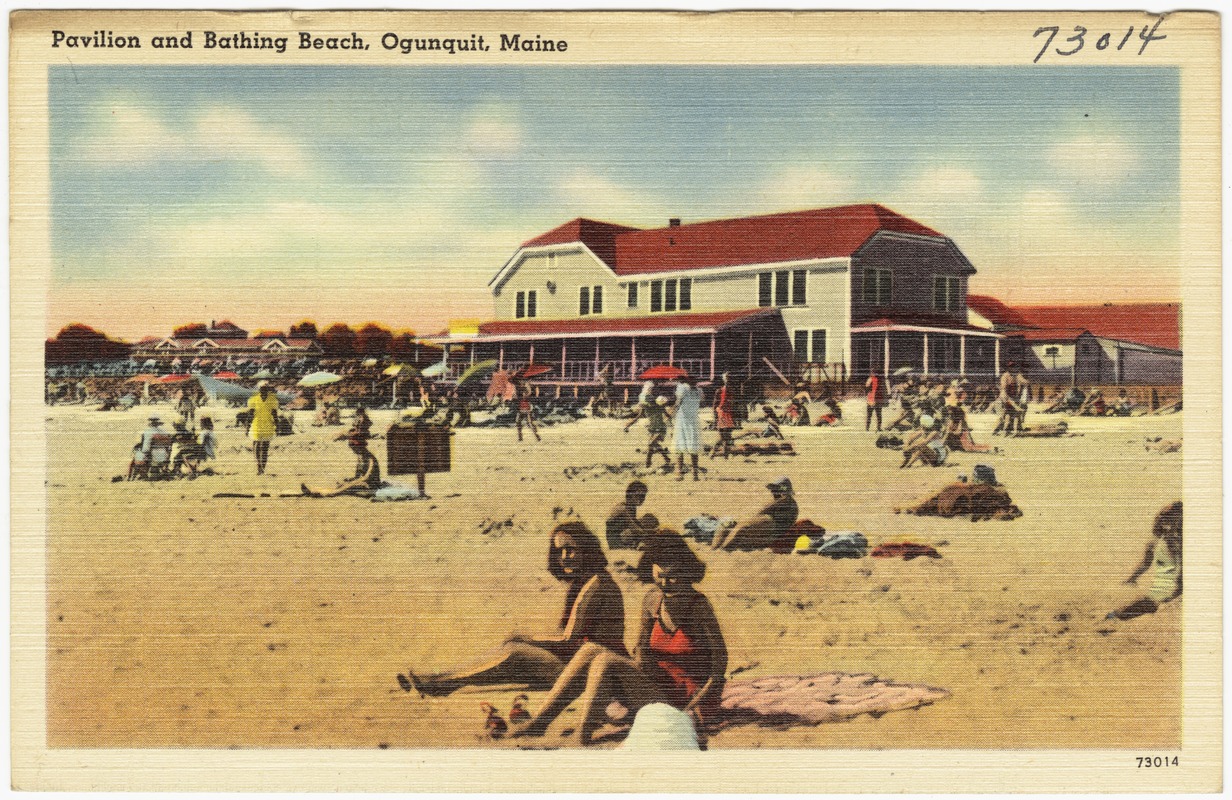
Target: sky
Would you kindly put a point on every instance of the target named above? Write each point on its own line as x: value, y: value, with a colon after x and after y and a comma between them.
x: 267, y: 195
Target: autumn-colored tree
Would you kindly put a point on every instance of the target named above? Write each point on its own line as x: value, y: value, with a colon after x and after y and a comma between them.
x: 193, y: 330
x: 77, y: 330
x: 373, y: 340
x: 306, y: 329
x: 269, y: 335
x: 403, y: 345
x: 77, y: 342
x: 338, y: 340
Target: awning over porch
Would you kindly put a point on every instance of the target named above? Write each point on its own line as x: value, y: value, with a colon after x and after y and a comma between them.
x: 705, y: 344
x: 928, y: 343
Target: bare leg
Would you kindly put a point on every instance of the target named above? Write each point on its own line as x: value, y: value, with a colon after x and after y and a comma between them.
x: 530, y: 420
x: 680, y: 466
x: 753, y: 535
x: 613, y: 677
x: 693, y: 458
x: 569, y: 685
x: 515, y: 663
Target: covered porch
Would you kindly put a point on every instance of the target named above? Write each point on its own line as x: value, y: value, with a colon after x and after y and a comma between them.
x: 884, y: 346
x: 748, y: 344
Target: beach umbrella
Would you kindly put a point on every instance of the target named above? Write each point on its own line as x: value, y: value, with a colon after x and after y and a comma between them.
x: 142, y: 378
x: 436, y: 370
x: 402, y: 370
x: 263, y: 375
x: 663, y: 372
x: 370, y: 362
x: 901, y: 371
x: 227, y: 375
x: 476, y: 370
x: 152, y: 362
x: 173, y: 378
x: 533, y: 371
x: 319, y: 379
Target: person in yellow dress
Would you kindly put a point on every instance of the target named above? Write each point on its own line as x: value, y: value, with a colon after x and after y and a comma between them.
x: 264, y: 407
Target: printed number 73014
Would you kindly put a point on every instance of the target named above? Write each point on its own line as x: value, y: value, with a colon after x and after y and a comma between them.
x: 1145, y: 762
x: 1079, y: 39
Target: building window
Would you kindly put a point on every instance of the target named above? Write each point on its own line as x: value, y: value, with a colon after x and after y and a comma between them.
x: 878, y: 286
x: 519, y: 306
x: 584, y: 301
x: 671, y: 295
x: 531, y: 305
x: 782, y: 288
x: 596, y: 300
x: 945, y: 293
x: 590, y: 300
x: 632, y: 295
x: 810, y: 345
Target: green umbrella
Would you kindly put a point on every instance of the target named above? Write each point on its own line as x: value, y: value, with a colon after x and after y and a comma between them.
x: 319, y: 379
x: 476, y: 370
x: 435, y: 370
x: 263, y: 375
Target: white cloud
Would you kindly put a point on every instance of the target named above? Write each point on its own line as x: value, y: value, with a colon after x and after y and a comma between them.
x: 493, y: 131
x: 797, y: 187
x: 940, y: 193
x: 130, y: 135
x: 1088, y: 161
x: 584, y: 193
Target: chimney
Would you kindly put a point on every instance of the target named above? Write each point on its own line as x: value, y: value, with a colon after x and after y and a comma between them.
x: 674, y: 222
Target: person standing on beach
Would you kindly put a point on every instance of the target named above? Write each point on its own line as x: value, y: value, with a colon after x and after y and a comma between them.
x: 1009, y: 401
x: 525, y: 412
x: 876, y: 399
x: 654, y: 409
x: 1024, y: 397
x: 686, y: 437
x: 187, y: 406
x: 724, y: 417
x: 264, y: 427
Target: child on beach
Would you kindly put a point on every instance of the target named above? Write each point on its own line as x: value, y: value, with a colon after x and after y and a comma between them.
x: 656, y: 414
x: 594, y: 615
x: 1163, y: 553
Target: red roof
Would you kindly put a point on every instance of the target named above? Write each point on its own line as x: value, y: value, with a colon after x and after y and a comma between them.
x: 696, y: 323
x: 996, y: 312
x: 918, y: 319
x: 1151, y: 324
x: 799, y: 235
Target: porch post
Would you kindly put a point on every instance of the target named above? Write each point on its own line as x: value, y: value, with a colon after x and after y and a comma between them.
x: 531, y: 359
x: 471, y: 347
x: 926, y: 354
x: 500, y: 360
x: 996, y: 357
x: 748, y: 367
x: 671, y: 350
x: 886, y: 355
x: 713, y: 338
x: 632, y: 363
x: 563, y: 352
x: 596, y: 377
x: 962, y: 354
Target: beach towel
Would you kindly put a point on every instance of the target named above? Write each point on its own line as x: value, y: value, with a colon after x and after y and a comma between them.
x: 844, y: 544
x: 979, y: 500
x: 704, y: 526
x: 816, y: 699
x: 904, y: 550
x: 889, y: 442
x: 393, y: 492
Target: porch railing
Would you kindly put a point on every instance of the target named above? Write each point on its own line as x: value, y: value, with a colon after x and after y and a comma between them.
x: 584, y: 371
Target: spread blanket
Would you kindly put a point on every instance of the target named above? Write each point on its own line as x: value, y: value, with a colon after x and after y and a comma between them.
x: 814, y: 699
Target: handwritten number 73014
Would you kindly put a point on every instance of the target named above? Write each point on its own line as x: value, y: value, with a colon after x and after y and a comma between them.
x: 1103, y: 42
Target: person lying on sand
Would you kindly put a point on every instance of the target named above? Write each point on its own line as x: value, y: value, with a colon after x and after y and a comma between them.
x: 680, y: 657
x: 1047, y: 431
x: 769, y: 524
x: 594, y: 615
x: 772, y: 423
x: 1163, y: 552
x: 982, y: 500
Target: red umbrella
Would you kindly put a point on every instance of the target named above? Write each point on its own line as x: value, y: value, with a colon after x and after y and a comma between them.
x: 227, y: 375
x: 533, y: 370
x: 173, y: 378
x: 663, y: 372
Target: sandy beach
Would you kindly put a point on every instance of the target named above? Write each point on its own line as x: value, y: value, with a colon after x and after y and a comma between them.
x: 179, y: 619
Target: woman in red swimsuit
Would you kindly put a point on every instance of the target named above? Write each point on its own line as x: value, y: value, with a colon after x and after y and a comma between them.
x: 594, y: 614
x: 680, y: 657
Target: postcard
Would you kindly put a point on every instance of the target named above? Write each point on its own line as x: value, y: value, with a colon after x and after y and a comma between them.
x: 596, y: 401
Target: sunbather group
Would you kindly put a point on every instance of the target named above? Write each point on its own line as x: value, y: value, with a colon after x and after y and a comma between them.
x: 180, y: 453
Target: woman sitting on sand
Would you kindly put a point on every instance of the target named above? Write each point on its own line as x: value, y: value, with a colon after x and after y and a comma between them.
x: 594, y: 614
x: 958, y: 430
x: 680, y: 657
x: 1163, y: 552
